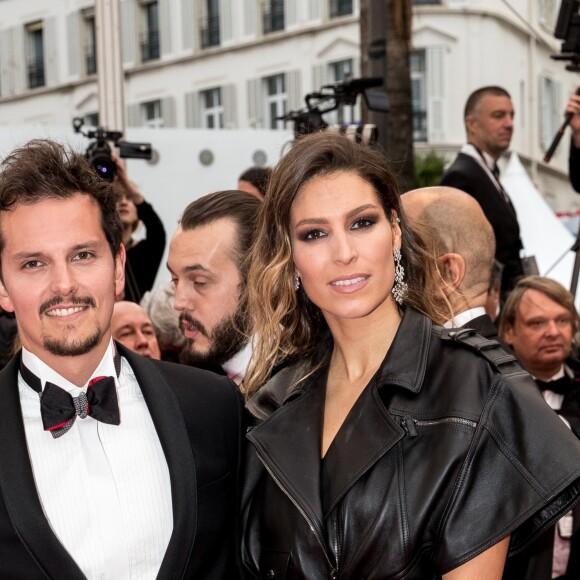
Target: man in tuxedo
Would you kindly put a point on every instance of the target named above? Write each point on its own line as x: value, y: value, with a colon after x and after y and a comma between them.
x: 111, y: 465
x: 488, y: 119
x: 207, y: 265
x: 132, y: 327
x: 539, y: 322
x: 573, y: 107
x: 458, y: 234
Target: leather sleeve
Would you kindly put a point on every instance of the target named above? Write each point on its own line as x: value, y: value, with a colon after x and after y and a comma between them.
x: 521, y: 474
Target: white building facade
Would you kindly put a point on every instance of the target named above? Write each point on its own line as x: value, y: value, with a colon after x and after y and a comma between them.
x: 240, y: 64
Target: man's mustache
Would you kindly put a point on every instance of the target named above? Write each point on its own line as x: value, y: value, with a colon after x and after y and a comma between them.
x: 56, y: 300
x: 185, y: 317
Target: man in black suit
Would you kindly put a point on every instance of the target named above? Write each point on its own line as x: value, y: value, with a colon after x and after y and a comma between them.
x: 489, y: 125
x: 573, y: 107
x: 111, y: 465
x: 539, y: 322
x: 457, y: 232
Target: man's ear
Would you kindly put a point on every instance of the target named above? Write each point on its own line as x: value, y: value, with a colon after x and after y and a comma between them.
x: 508, y: 335
x: 5, y: 301
x: 120, y: 259
x: 452, y: 271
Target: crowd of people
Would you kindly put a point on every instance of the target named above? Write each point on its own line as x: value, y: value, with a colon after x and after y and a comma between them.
x: 339, y: 381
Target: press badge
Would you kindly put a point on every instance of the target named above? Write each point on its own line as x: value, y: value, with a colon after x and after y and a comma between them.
x: 565, y: 526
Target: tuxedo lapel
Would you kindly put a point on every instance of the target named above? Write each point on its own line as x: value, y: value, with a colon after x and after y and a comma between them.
x: 18, y: 487
x: 172, y: 432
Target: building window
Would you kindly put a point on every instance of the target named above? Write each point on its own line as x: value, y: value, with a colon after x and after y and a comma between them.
x: 150, y: 34
x: 151, y: 114
x: 419, y: 95
x: 339, y: 72
x: 276, y: 100
x: 551, y: 110
x: 212, y: 109
x: 273, y: 16
x: 35, y: 55
x: 90, y: 44
x: 424, y: 2
x: 91, y: 119
x: 340, y: 8
x: 210, y: 24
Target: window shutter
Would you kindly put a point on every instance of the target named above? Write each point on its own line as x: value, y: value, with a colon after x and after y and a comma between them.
x: 165, y: 35
x: 319, y: 76
x: 192, y: 112
x: 294, y: 89
x: 436, y: 92
x: 133, y: 116
x: 315, y: 10
x: 250, y: 17
x: 168, y: 112
x: 128, y: 33
x: 225, y: 21
x: 50, y: 51
x: 291, y: 13
x: 75, y: 48
x: 7, y: 53
x: 255, y: 104
x: 230, y: 106
x: 188, y: 24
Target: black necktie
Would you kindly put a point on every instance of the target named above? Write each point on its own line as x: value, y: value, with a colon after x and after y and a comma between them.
x: 59, y: 409
x: 560, y: 386
x: 495, y: 171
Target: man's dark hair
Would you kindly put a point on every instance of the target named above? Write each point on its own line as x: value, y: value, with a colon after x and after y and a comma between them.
x: 240, y: 206
x: 258, y: 177
x: 474, y: 99
x: 43, y: 169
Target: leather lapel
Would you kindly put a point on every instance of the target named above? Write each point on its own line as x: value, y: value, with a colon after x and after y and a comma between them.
x: 18, y: 487
x: 288, y: 444
x: 171, y: 429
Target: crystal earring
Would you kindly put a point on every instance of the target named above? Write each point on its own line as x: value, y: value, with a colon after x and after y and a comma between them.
x: 400, y: 287
x: 296, y: 283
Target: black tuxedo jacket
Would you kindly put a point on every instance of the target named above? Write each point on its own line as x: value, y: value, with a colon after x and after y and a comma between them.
x: 466, y: 173
x: 198, y: 417
x: 574, y: 167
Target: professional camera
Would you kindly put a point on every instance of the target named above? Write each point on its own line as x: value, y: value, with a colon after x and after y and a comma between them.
x: 568, y: 30
x: 99, y: 151
x: 329, y: 98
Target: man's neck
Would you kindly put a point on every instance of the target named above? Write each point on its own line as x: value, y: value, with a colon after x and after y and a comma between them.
x: 493, y: 155
x: 546, y: 374
x: 75, y: 369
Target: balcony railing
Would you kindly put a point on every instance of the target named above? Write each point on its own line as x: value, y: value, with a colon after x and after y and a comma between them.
x: 340, y: 8
x: 419, y: 125
x: 274, y: 16
x: 210, y: 31
x: 90, y: 59
x: 150, y: 45
x: 36, y: 73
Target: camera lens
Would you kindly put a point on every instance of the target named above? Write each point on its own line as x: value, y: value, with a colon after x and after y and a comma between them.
x: 99, y: 156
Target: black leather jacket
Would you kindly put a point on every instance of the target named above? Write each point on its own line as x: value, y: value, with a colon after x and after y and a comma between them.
x: 443, y: 455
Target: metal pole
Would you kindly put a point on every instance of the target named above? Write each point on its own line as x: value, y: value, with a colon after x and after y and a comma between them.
x: 109, y: 65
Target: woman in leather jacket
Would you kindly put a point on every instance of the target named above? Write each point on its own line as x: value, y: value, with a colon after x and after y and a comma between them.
x: 387, y: 447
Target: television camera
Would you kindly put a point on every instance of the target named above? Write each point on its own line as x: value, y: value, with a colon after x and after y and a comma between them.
x: 329, y: 98
x: 568, y: 30
x: 99, y: 153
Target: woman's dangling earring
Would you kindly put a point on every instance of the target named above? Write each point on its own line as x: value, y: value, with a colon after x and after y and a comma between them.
x: 296, y: 283
x: 400, y: 286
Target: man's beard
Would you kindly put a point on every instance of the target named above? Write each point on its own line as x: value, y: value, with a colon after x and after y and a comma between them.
x: 61, y: 346
x: 226, y: 340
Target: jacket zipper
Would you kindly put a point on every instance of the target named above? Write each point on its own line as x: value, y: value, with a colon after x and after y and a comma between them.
x: 410, y: 425
x: 316, y: 532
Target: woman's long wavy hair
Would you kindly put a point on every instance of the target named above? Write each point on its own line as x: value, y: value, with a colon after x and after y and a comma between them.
x: 287, y: 326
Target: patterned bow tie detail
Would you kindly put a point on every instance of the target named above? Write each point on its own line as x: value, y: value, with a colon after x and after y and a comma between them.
x: 59, y: 409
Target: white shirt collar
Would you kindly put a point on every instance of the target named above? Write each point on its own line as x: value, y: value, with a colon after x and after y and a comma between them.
x: 106, y: 367
x: 236, y: 367
x: 463, y: 318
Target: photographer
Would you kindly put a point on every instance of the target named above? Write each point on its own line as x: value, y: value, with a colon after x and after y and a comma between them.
x: 143, y: 256
x: 574, y: 163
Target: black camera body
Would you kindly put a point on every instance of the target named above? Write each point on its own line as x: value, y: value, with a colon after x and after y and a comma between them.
x: 99, y: 152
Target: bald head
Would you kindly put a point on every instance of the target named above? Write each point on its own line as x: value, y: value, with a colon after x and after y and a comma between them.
x: 132, y: 327
x: 454, y: 223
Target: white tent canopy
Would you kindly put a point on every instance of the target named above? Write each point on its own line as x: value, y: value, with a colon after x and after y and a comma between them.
x: 543, y: 234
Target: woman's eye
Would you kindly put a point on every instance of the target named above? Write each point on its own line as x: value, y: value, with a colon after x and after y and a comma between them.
x: 362, y: 222
x: 313, y: 235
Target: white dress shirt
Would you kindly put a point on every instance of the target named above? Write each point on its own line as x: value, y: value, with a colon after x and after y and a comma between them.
x: 463, y: 318
x: 105, y: 489
x: 237, y: 366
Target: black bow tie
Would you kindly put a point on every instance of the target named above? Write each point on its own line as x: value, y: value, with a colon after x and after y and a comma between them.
x: 560, y: 386
x: 59, y: 409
